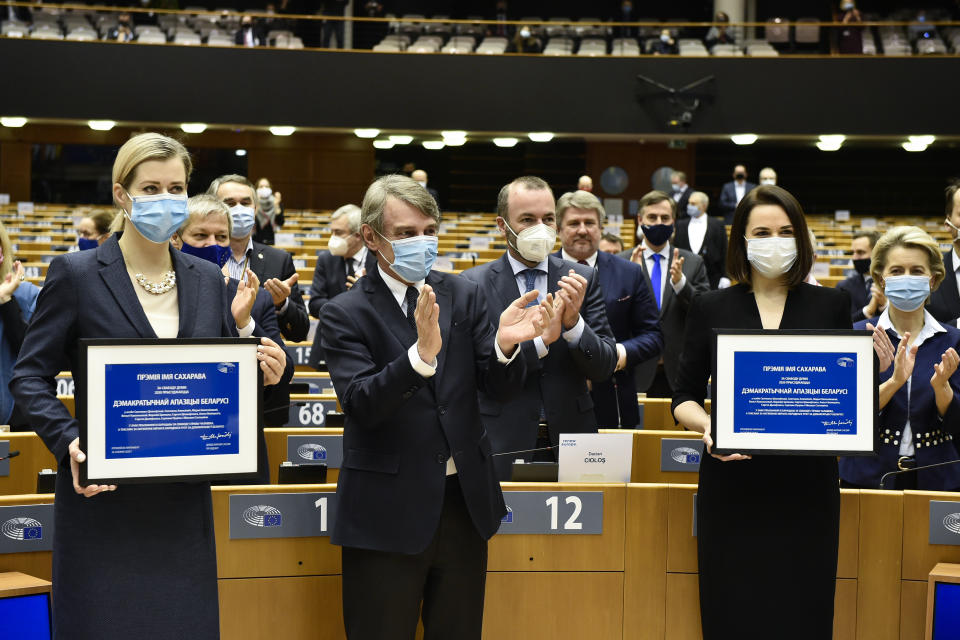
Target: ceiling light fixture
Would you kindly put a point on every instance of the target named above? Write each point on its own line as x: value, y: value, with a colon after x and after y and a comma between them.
x: 540, y: 136
x: 101, y: 125
x: 13, y: 121
x: 433, y: 145
x: 744, y: 138
x: 366, y: 133
x: 282, y: 131
x: 505, y: 142
x: 241, y: 152
x: 401, y: 139
x: 383, y: 144
x: 193, y: 127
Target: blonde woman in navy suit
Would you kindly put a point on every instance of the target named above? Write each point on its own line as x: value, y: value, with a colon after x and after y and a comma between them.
x: 135, y: 560
x: 919, y: 383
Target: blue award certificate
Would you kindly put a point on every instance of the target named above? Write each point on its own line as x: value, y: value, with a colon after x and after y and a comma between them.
x: 794, y: 392
x: 169, y: 410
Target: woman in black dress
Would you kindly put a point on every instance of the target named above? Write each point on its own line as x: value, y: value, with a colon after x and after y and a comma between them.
x: 767, y: 526
x: 139, y: 560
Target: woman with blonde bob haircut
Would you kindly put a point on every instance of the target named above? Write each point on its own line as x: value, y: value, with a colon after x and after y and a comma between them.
x: 136, y: 560
x: 919, y: 383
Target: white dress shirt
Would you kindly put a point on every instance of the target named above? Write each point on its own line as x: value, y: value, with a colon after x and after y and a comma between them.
x: 956, y: 267
x: 428, y: 370
x: 930, y: 328
x: 741, y: 190
x: 572, y: 336
x: 696, y: 232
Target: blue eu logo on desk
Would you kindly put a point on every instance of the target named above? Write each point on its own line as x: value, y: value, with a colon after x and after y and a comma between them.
x: 312, y: 451
x: 685, y: 455
x: 22, y: 529
x: 263, y: 515
x: 508, y: 518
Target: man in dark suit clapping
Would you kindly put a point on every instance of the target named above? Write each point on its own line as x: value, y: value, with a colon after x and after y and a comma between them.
x: 631, y: 311
x: 866, y: 298
x: 555, y: 398
x: 945, y: 301
x: 408, y: 348
x: 676, y: 276
x: 274, y: 267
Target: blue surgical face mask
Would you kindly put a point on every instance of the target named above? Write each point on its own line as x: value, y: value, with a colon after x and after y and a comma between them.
x: 413, y: 257
x: 693, y: 210
x: 214, y: 253
x: 87, y: 243
x: 158, y: 217
x: 907, y: 293
x: 243, y: 218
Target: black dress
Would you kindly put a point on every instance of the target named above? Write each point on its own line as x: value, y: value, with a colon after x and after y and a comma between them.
x: 768, y: 528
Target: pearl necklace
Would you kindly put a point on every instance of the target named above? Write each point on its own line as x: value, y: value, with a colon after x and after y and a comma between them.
x: 157, y: 288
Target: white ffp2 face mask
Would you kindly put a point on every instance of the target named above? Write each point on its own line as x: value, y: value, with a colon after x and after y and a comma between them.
x: 337, y: 245
x: 534, y: 243
x: 772, y: 257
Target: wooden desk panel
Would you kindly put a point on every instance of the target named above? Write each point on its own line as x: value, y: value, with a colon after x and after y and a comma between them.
x: 33, y: 457
x: 38, y: 564
x: 552, y: 606
x: 645, y: 466
x: 879, y: 565
x: 683, y: 607
x: 919, y: 556
x: 273, y: 556
x: 305, y: 608
x: 276, y: 438
x: 845, y: 609
x: 645, y: 562
x: 913, y: 610
x: 681, y: 543
x: 847, y: 560
x: 565, y: 552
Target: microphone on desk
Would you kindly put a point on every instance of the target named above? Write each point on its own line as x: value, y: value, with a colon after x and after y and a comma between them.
x: 510, y: 453
x: 883, y: 478
x: 12, y: 454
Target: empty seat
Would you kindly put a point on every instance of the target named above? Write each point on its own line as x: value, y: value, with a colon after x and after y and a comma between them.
x: 152, y: 37
x: 777, y: 32
x: 492, y: 46
x: 13, y: 29
x: 807, y: 31
x: 295, y: 43
x: 592, y: 47
x: 46, y: 34
x: 408, y: 25
x: 389, y: 47
x: 221, y: 40
x: 590, y: 30
x: 186, y: 37
x: 558, y: 30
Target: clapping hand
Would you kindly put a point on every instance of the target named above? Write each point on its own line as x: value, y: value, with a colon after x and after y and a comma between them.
x: 273, y: 360
x: 676, y: 267
x: 427, y: 315
x: 519, y: 323
x: 11, y: 282
x: 882, y: 346
x: 242, y: 303
x: 903, y: 361
x: 573, y: 287
x: 946, y: 368
x: 280, y: 289
x: 352, y: 280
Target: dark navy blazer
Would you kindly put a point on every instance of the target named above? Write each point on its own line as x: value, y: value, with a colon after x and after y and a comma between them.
x: 140, y: 540
x: 557, y: 382
x: 635, y: 322
x: 400, y: 427
x: 932, y: 434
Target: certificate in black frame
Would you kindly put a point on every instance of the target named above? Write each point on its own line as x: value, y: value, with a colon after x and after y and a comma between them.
x: 862, y: 443
x: 94, y: 353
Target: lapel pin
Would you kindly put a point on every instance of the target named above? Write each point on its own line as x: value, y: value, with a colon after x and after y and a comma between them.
x: 260, y: 255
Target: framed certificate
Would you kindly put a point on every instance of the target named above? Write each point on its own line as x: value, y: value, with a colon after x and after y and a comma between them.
x: 794, y: 392
x: 169, y: 410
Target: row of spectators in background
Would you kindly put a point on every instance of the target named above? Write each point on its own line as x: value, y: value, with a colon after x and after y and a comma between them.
x: 273, y: 20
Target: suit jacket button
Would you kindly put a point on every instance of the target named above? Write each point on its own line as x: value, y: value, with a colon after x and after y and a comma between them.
x: 441, y: 458
x: 443, y: 410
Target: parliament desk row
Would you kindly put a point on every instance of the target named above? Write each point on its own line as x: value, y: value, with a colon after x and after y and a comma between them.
x: 571, y: 561
x: 658, y: 455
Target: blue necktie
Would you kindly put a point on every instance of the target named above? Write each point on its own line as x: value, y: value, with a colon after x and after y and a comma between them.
x: 531, y: 282
x: 655, y: 277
